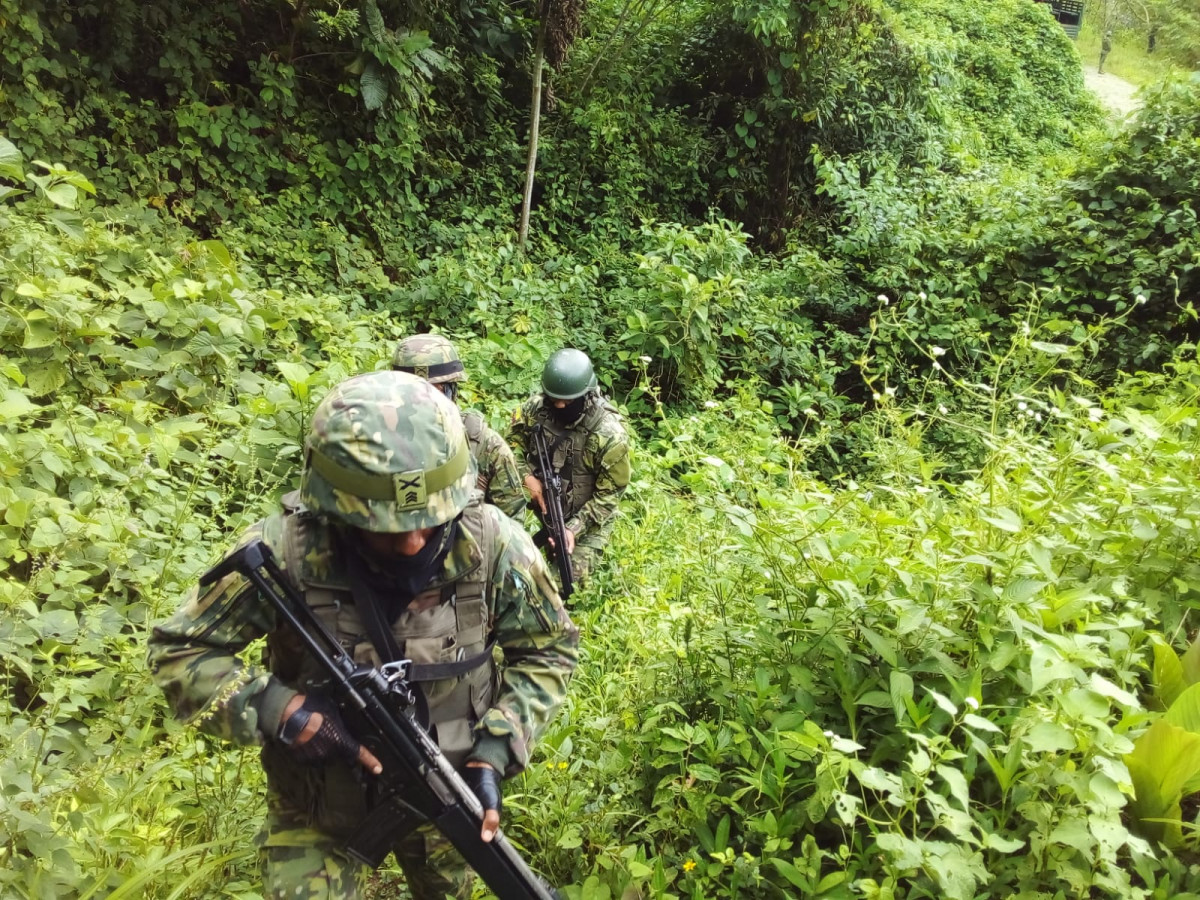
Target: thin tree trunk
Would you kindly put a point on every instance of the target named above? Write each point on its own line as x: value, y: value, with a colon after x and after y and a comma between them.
x: 535, y: 117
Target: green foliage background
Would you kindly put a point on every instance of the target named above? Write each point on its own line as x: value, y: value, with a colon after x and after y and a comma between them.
x: 872, y: 281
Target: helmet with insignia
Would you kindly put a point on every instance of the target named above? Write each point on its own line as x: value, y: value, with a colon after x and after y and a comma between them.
x: 387, y: 452
x: 431, y: 356
x: 567, y: 374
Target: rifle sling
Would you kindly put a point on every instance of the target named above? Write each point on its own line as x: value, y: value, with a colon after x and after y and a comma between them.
x: 418, y: 672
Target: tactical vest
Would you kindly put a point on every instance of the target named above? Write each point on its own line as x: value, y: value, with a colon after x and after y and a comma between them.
x: 566, y: 450
x: 443, y: 625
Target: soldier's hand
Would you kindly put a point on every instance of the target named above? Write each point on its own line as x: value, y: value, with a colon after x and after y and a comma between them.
x: 569, y: 538
x: 535, y: 492
x: 312, y: 728
x: 485, y: 782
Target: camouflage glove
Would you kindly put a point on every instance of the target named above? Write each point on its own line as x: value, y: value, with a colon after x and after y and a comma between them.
x: 331, y: 741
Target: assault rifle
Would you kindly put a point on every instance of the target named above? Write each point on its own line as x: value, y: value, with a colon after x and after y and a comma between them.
x: 379, y: 706
x: 555, y: 523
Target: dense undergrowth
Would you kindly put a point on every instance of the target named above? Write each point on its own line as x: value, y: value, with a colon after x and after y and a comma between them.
x: 908, y: 552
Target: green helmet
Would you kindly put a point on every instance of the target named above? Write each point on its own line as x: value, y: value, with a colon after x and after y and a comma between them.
x: 431, y: 356
x: 387, y: 452
x: 568, y: 374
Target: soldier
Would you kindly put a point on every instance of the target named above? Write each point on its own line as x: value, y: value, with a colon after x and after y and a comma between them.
x: 589, y: 448
x: 1105, y: 49
x: 434, y: 358
x: 391, y: 546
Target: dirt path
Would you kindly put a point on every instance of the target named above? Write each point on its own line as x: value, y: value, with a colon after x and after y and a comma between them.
x: 1115, y: 94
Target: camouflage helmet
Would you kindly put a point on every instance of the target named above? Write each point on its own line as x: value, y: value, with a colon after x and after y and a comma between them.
x: 567, y: 374
x: 431, y: 356
x: 387, y: 452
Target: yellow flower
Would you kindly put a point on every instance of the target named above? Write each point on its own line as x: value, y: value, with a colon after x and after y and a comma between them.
x: 563, y: 764
x: 689, y: 865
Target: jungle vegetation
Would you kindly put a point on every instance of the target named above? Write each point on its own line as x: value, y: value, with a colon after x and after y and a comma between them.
x: 899, y: 605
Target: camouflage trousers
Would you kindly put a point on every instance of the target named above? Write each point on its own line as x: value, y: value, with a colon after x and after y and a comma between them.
x: 302, y: 863
x: 589, y: 547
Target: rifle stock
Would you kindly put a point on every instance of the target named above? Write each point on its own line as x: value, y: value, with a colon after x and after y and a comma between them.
x: 554, y: 520
x: 417, y: 782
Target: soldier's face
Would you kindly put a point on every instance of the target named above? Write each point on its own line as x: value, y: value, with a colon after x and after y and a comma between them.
x: 560, y: 404
x: 400, y: 543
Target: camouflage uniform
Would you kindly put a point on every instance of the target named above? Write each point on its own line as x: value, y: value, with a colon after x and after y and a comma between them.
x: 492, y: 589
x: 498, y: 475
x: 434, y: 358
x: 592, y: 456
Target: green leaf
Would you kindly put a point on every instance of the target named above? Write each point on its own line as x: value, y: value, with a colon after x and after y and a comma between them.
x: 1047, y: 665
x: 60, y: 194
x: 1004, y: 519
x: 791, y: 873
x: 900, y: 687
x: 11, y: 161
x: 979, y: 723
x: 15, y: 404
x: 884, y: 646
x: 721, y: 838
x: 1052, y: 349
x: 1163, y: 760
x: 1191, y: 662
x: 1021, y: 589
x: 47, y: 378
x: 942, y: 701
x: 69, y: 222
x: 1184, y: 712
x: 1049, y: 737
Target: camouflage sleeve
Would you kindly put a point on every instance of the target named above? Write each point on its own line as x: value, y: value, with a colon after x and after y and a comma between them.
x: 499, y: 467
x: 541, y: 649
x: 609, y: 459
x: 194, y: 657
x: 519, y: 435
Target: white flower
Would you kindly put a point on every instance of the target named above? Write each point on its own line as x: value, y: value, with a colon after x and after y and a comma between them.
x: 937, y: 365
x: 973, y: 703
x: 938, y: 351
x: 890, y: 391
x: 711, y: 404
x: 942, y: 409
x: 1141, y: 299
x: 1022, y: 406
x: 1037, y: 416
x: 876, y: 396
x: 922, y: 295
x: 882, y: 298
x: 647, y: 360
x: 810, y: 412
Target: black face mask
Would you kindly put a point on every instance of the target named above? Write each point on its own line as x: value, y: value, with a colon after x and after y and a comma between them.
x: 569, y: 413
x: 395, y: 579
